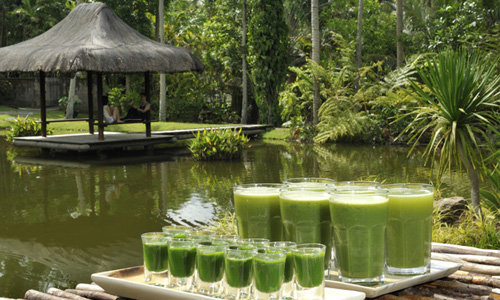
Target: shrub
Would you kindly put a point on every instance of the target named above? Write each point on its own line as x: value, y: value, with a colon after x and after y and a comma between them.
x: 24, y: 127
x: 63, y: 102
x: 218, y: 144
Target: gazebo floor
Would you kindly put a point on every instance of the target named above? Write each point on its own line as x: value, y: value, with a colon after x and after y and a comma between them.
x: 113, y: 140
x: 90, y: 142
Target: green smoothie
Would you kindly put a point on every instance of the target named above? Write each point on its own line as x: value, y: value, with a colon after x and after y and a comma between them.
x: 269, y: 271
x: 238, y: 270
x: 288, y: 267
x: 306, y: 218
x: 359, y: 224
x: 409, y: 228
x: 308, y: 268
x: 258, y: 211
x: 210, y: 266
x: 155, y: 256
x: 181, y: 261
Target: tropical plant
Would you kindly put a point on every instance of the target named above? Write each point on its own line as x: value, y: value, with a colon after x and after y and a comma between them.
x: 218, y: 144
x: 24, y: 127
x: 268, y: 54
x: 63, y: 102
x: 458, y: 104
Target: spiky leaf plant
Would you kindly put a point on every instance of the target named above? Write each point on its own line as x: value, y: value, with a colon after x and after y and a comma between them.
x: 459, y: 105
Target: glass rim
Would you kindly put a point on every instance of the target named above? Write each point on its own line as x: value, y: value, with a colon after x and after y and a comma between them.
x: 251, y: 185
x: 408, y: 185
x: 358, y: 183
x: 153, y: 234
x: 288, y: 244
x: 309, y: 179
x: 177, y: 227
x: 310, y: 246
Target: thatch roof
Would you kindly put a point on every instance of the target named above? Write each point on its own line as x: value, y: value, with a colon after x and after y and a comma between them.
x: 93, y: 38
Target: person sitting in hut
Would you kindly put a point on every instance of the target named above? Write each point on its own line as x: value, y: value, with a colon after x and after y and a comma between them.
x: 111, y: 114
x: 139, y: 113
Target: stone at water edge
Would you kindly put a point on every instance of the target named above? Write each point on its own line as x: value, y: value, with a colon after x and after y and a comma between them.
x: 451, y: 209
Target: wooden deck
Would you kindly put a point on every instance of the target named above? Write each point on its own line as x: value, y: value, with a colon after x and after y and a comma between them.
x: 90, y: 142
x: 113, y: 140
x: 478, y: 278
x: 182, y: 134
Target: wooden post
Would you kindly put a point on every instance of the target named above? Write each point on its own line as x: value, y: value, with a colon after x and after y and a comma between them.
x: 90, y: 102
x: 43, y: 110
x: 147, y: 86
x: 100, y: 112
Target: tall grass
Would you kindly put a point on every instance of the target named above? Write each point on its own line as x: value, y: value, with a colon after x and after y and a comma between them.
x: 469, y: 230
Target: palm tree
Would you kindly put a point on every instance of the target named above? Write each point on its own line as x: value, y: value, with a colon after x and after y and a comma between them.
x: 244, y: 65
x: 459, y: 106
x: 399, y: 33
x: 315, y: 55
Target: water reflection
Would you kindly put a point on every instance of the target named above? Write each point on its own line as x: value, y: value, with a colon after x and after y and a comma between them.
x: 63, y: 218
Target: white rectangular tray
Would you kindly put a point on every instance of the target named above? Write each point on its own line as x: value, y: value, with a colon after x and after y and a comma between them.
x: 129, y: 282
x: 439, y: 269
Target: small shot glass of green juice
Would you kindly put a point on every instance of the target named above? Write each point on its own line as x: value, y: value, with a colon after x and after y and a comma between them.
x: 287, y: 290
x: 257, y: 242
x: 359, y: 218
x: 308, y: 261
x: 409, y: 228
x: 155, y: 252
x: 210, y: 267
x: 181, y: 263
x: 177, y: 231
x: 238, y: 271
x: 257, y: 208
x: 269, y: 273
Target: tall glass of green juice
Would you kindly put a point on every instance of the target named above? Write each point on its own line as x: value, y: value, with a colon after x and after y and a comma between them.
x: 155, y: 252
x: 409, y: 228
x: 359, y: 218
x: 181, y: 263
x: 308, y: 265
x: 269, y: 272
x: 238, y: 271
x: 257, y: 210
x: 210, y: 267
x: 306, y: 215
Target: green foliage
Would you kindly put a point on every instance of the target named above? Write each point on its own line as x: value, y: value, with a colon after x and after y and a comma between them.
x: 218, y: 144
x: 225, y: 224
x: 268, y: 54
x: 458, y: 106
x: 469, y: 230
x: 24, y: 127
x: 63, y: 102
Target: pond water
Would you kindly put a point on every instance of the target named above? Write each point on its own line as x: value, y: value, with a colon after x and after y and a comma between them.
x: 66, y: 217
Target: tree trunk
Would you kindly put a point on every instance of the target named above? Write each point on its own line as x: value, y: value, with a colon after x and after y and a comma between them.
x: 72, y: 88
x: 399, y: 32
x: 127, y: 84
x: 473, y: 178
x: 244, y: 79
x: 315, y: 55
x: 71, y: 98
x: 359, y: 41
x: 3, y: 29
x: 161, y: 31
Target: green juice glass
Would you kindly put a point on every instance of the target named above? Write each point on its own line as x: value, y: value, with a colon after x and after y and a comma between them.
x: 238, y: 271
x: 181, y: 263
x: 256, y: 242
x: 177, y: 231
x: 257, y: 208
x: 269, y: 272
x: 409, y: 228
x: 210, y: 267
x: 287, y: 290
x: 306, y: 214
x: 359, y: 218
x: 155, y: 252
x: 308, y: 260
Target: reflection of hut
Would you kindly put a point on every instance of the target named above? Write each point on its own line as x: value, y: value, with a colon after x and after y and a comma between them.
x: 93, y: 39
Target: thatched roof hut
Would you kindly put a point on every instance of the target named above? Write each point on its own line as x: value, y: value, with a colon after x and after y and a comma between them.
x: 93, y: 39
